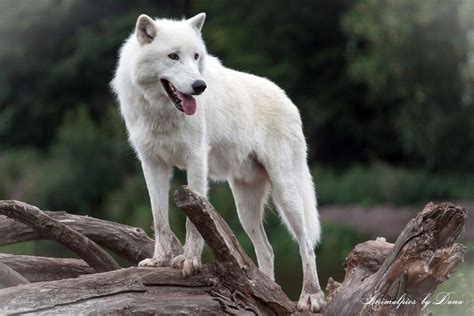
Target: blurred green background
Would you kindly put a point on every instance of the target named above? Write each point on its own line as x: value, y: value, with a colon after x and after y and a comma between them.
x: 385, y: 88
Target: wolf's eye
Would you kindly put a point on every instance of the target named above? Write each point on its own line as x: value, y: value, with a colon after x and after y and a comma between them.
x: 173, y: 56
x: 196, y: 56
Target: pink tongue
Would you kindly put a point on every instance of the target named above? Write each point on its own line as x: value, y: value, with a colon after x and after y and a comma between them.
x: 188, y: 103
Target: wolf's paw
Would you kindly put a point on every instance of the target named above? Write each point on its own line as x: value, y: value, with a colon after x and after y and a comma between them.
x: 155, y: 262
x: 311, y: 302
x: 189, y: 265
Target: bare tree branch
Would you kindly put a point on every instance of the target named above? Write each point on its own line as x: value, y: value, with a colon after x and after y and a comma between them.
x: 237, y: 270
x: 85, y: 248
x: 131, y: 243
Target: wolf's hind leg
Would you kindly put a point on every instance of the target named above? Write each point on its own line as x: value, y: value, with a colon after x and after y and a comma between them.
x: 288, y: 200
x: 289, y: 184
x: 250, y: 199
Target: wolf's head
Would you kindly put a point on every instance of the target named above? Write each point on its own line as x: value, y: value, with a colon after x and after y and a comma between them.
x: 171, y: 57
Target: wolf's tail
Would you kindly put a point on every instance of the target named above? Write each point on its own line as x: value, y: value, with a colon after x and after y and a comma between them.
x: 311, y: 215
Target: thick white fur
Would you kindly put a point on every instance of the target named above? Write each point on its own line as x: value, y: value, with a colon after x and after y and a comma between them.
x: 245, y: 130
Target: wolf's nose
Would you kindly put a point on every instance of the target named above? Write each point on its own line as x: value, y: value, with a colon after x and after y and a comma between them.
x: 199, y: 86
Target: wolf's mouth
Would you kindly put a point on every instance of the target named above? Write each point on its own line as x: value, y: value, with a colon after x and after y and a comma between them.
x: 183, y: 102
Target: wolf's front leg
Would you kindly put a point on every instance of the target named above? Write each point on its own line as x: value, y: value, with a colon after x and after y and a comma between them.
x: 167, y: 246
x: 190, y: 260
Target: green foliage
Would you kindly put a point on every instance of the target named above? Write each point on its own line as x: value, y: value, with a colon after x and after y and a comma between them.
x: 17, y: 171
x: 301, y: 48
x: 57, y: 55
x: 394, y: 83
x: 381, y: 183
x: 88, y: 159
x: 410, y: 54
x: 86, y: 162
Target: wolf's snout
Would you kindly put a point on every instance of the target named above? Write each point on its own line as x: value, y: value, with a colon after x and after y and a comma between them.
x: 199, y: 86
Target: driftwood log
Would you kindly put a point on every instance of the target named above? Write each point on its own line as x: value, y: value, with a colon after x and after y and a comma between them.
x: 421, y: 258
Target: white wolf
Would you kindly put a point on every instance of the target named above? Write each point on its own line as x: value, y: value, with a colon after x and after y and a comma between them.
x: 184, y: 109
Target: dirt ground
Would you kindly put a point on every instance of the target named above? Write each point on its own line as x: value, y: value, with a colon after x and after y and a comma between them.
x: 386, y: 220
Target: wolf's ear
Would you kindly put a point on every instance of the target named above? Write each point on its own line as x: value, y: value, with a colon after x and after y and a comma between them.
x: 145, y: 30
x: 197, y: 21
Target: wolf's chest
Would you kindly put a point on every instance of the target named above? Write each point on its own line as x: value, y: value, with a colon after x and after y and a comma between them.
x: 159, y: 139
x: 168, y: 149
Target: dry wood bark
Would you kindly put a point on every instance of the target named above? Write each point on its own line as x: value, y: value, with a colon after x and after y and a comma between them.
x: 409, y: 270
x: 128, y: 242
x: 39, y: 269
x: 85, y: 248
x: 127, y: 290
x: 10, y: 277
